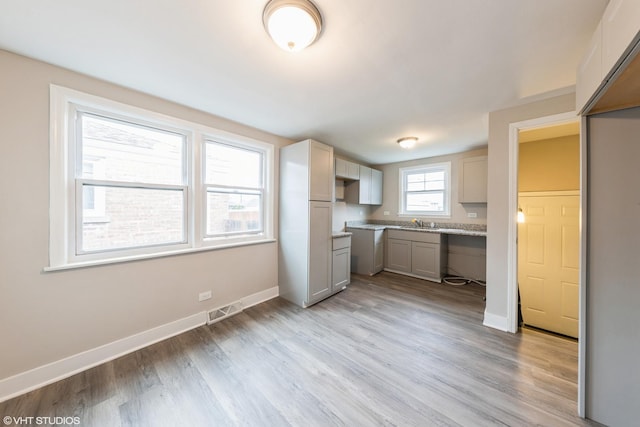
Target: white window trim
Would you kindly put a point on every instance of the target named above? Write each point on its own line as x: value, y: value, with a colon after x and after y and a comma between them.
x: 62, y: 183
x: 447, y: 193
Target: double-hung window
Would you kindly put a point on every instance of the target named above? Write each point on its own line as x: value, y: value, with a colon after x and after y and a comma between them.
x: 141, y: 185
x: 426, y: 190
x: 234, y: 190
x: 129, y: 183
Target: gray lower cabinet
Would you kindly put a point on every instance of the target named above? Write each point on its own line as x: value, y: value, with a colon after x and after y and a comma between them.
x: 416, y: 253
x: 425, y: 259
x: 341, y: 263
x: 399, y: 255
x: 378, y: 251
x: 367, y: 251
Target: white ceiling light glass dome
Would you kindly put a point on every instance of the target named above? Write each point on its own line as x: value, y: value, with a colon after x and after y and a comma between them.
x: 408, y: 142
x: 292, y: 24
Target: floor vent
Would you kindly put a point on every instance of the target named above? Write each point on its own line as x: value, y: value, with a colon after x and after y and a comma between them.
x: 218, y: 314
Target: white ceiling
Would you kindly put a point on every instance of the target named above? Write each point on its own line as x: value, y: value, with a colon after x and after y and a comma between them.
x: 381, y: 69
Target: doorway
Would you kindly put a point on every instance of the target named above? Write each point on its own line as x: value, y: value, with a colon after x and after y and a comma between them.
x: 548, y: 227
x: 512, y: 242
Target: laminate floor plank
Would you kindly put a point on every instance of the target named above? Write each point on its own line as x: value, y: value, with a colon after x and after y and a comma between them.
x: 387, y: 351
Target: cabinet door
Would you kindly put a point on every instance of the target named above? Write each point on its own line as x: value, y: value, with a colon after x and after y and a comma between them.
x: 341, y: 267
x: 365, y: 185
x: 473, y: 180
x: 620, y: 24
x: 320, y: 248
x: 425, y: 260
x: 378, y: 251
x: 341, y: 169
x: 399, y: 255
x: 376, y: 187
x: 353, y: 170
x: 321, y: 172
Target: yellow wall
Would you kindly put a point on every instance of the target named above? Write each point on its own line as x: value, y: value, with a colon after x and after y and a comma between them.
x: 550, y: 164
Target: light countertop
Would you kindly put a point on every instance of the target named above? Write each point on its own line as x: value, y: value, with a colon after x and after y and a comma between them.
x: 440, y: 230
x: 338, y: 234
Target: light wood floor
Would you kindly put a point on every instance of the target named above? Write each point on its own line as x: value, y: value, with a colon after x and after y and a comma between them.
x: 389, y: 350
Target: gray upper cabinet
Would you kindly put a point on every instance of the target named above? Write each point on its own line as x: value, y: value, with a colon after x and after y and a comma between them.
x: 472, y: 186
x: 321, y: 182
x: 347, y: 170
x: 367, y: 190
x: 364, y: 194
x: 376, y: 187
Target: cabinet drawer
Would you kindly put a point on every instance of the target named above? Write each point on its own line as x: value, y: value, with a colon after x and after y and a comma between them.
x: 341, y: 242
x: 414, y: 236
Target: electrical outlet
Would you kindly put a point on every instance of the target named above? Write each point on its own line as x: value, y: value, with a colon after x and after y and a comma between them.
x: 386, y: 213
x: 204, y: 296
x: 472, y: 215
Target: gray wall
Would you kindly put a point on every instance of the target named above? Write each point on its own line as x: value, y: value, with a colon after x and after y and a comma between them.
x: 498, y: 215
x: 466, y: 255
x: 613, y: 282
x: 45, y: 317
x: 391, y: 190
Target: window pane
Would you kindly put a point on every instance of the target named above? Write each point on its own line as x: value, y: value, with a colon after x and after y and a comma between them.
x: 433, y: 202
x: 131, y: 153
x: 415, y: 186
x: 434, y: 176
x: 231, y: 166
x: 133, y: 217
x: 415, y: 177
x: 434, y: 185
x: 233, y: 213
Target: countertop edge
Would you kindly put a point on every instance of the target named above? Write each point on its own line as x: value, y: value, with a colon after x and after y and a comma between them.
x: 458, y: 232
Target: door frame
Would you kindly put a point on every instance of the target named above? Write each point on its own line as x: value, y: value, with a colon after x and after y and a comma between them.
x: 512, y: 234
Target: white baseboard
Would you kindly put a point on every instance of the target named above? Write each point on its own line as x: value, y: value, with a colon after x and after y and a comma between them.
x: 495, y: 322
x: 259, y: 297
x: 38, y: 377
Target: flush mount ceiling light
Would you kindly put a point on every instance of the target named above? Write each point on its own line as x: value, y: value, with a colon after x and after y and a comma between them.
x: 408, y: 142
x: 292, y: 24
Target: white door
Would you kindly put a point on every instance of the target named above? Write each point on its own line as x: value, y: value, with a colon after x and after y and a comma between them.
x: 548, y: 254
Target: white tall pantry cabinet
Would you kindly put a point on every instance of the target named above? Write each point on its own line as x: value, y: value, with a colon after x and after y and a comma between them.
x: 305, y: 245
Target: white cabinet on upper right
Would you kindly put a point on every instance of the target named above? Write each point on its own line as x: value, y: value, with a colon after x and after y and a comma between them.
x: 472, y: 180
x: 613, y: 40
x: 620, y: 25
x: 589, y: 76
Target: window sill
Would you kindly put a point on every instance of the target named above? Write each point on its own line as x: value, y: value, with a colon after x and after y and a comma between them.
x: 94, y: 263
